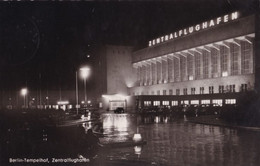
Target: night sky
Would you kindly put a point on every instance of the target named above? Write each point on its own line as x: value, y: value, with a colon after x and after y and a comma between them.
x: 44, y: 43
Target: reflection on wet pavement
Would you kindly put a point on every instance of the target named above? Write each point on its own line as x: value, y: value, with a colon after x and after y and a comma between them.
x: 176, y: 142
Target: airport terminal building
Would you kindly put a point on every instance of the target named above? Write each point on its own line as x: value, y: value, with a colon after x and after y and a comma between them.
x: 213, y: 62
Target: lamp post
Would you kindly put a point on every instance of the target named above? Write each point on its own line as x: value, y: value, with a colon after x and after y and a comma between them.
x: 24, y: 92
x: 85, y: 71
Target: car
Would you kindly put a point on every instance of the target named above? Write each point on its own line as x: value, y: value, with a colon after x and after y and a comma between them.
x: 119, y: 110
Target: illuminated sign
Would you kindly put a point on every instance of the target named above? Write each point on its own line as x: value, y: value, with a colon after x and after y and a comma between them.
x: 62, y: 102
x: 196, y: 28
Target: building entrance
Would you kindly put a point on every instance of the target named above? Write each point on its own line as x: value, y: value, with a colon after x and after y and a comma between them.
x: 117, y: 103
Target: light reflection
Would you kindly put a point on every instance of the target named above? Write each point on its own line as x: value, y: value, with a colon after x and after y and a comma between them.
x: 117, y: 121
x: 157, y: 120
x: 118, y: 127
x: 138, y: 150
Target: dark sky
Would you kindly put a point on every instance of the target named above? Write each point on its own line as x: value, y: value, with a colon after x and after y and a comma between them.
x: 47, y: 41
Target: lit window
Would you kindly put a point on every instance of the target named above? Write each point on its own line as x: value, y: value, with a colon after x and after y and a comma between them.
x: 224, y: 73
x: 166, y: 103
x: 194, y: 102
x: 230, y: 101
x: 224, y: 60
x: 197, y: 65
x: 234, y: 53
x: 174, y: 103
x: 190, y: 66
x: 147, y: 103
x: 217, y: 101
x: 156, y: 103
x: 205, y: 60
x: 183, y: 68
x: 205, y: 101
x: 246, y: 57
x: 176, y: 69
x: 185, y: 102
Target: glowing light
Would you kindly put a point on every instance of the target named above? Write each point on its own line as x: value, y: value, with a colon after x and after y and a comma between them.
x: 137, y: 137
x: 115, y: 97
x: 157, y: 120
x: 119, y: 122
x: 138, y: 150
x: 224, y: 74
x: 24, y: 91
x: 85, y: 71
x: 62, y: 102
x: 191, y: 78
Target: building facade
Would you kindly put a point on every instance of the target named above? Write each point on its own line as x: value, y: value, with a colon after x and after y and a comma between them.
x: 118, y: 77
x: 211, y: 62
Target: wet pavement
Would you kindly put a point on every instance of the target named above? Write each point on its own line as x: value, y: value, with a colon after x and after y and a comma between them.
x: 170, y: 141
x: 177, y: 142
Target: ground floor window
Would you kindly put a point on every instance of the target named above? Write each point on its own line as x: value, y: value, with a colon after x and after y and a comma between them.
x: 205, y: 101
x: 165, y: 103
x: 230, y: 101
x: 217, y: 101
x: 194, y: 102
x: 117, y: 103
x: 147, y: 103
x: 185, y: 102
x: 156, y: 103
x: 174, y: 103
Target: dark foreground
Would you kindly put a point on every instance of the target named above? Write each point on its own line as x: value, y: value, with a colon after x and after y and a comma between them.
x: 30, y: 139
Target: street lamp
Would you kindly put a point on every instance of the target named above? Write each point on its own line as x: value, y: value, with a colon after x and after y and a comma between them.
x: 24, y: 92
x: 84, y: 72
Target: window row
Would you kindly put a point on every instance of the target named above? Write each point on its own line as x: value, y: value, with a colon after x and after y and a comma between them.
x: 219, y: 61
x: 201, y: 90
x: 217, y: 102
